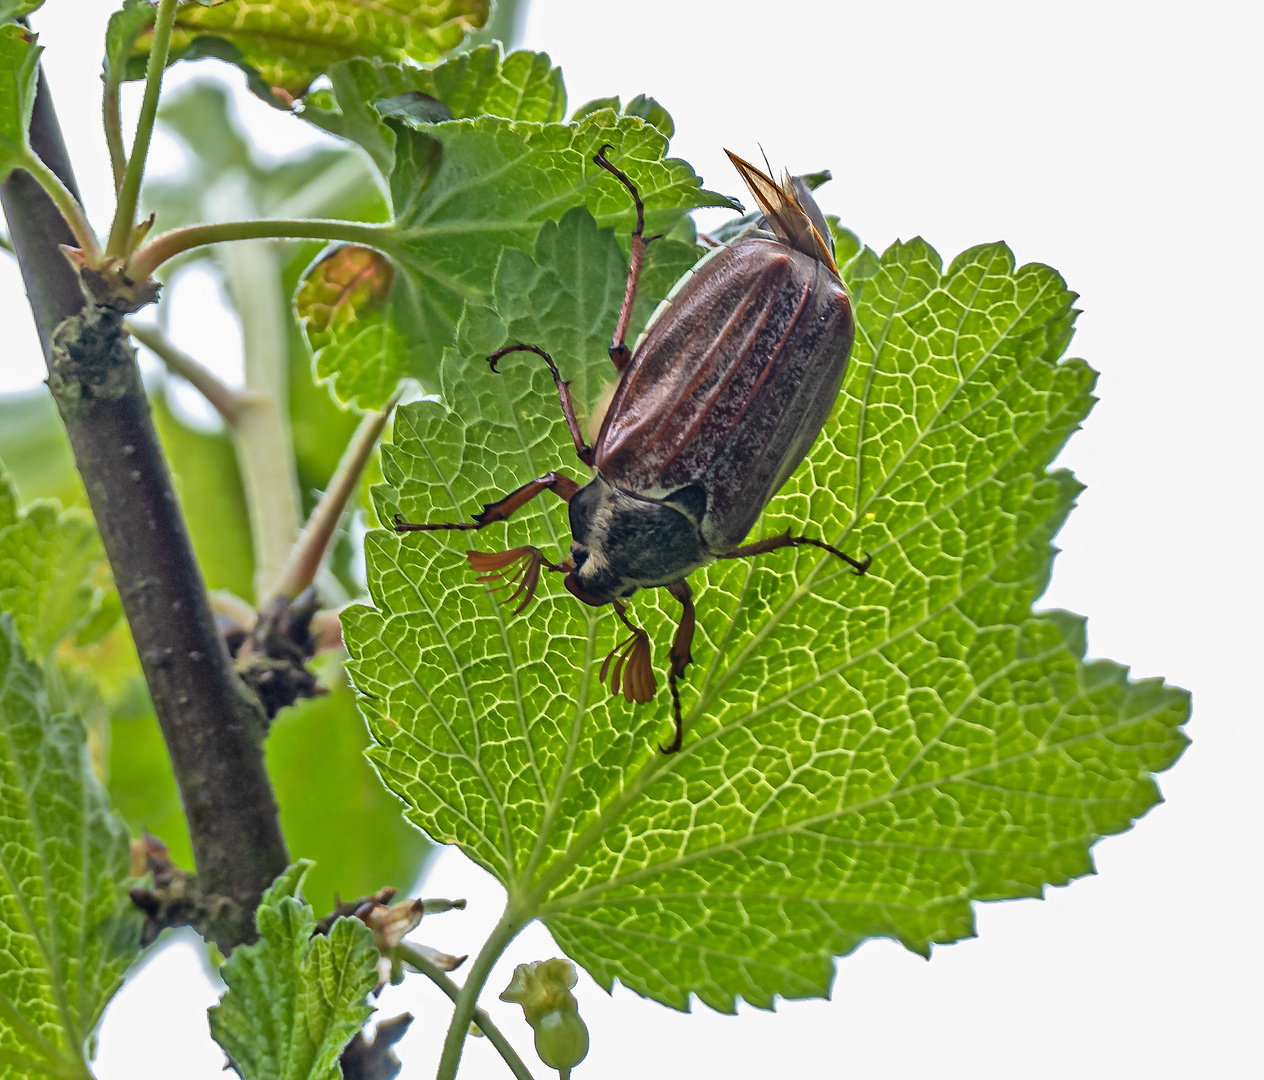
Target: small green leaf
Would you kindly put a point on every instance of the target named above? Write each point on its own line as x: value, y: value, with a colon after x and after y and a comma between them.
x: 345, y: 305
x: 651, y: 112
x: 11, y: 10
x: 462, y: 192
x: 48, y: 560
x: 294, y: 1000
x: 283, y: 45
x: 19, y: 69
x: 121, y: 34
x: 520, y: 86
x: 68, y: 930
x: 863, y: 757
x: 596, y: 105
x: 647, y: 108
x: 814, y: 180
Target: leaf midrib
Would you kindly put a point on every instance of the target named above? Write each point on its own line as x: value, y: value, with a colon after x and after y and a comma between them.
x: 834, y: 815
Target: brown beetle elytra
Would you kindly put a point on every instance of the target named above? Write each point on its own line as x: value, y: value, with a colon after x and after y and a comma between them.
x: 724, y: 395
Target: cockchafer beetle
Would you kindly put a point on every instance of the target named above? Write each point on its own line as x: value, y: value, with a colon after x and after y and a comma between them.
x: 724, y: 395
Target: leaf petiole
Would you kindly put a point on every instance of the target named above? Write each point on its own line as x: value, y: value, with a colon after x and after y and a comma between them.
x: 129, y: 190
x: 177, y: 241
x: 65, y: 202
x: 505, y: 931
x: 494, y: 1035
x: 307, y: 553
x: 110, y: 112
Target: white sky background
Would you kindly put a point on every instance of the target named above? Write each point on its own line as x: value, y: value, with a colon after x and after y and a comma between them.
x: 1118, y: 142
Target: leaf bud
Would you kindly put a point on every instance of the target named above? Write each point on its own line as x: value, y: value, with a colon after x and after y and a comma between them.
x: 543, y: 989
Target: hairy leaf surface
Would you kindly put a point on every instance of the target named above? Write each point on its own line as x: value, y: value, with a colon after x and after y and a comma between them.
x: 463, y: 191
x: 285, y: 44
x: 862, y: 756
x: 521, y: 86
x: 294, y: 1000
x: 67, y: 928
x: 47, y: 562
x: 647, y: 108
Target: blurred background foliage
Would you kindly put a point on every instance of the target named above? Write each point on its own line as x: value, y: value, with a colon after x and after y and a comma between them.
x: 334, y: 809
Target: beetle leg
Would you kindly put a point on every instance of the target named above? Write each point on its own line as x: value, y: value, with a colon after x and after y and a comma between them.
x: 584, y: 451
x: 620, y: 354
x: 560, y: 484
x: 629, y: 663
x: 681, y: 654
x: 786, y: 540
x: 518, y: 565
x: 522, y: 564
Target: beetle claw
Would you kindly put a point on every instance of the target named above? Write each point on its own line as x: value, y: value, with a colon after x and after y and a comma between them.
x: 674, y: 746
x: 860, y: 570
x: 402, y: 526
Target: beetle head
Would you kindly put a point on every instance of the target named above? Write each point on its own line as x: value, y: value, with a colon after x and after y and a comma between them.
x: 622, y: 542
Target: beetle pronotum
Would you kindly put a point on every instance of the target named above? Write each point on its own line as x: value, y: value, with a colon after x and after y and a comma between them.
x: 724, y: 395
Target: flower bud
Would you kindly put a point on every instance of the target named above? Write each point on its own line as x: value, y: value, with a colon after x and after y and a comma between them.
x: 543, y: 989
x: 561, y: 1040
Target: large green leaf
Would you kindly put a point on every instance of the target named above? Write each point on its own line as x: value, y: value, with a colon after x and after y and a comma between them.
x: 285, y: 44
x: 48, y: 562
x: 463, y: 191
x: 294, y: 1000
x: 67, y: 928
x: 862, y: 756
x: 19, y: 68
x: 521, y: 86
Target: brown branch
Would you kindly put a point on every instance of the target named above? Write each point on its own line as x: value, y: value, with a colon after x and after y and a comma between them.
x: 212, y: 725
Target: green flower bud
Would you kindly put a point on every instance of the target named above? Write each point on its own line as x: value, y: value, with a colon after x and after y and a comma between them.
x: 543, y: 989
x: 561, y: 1040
